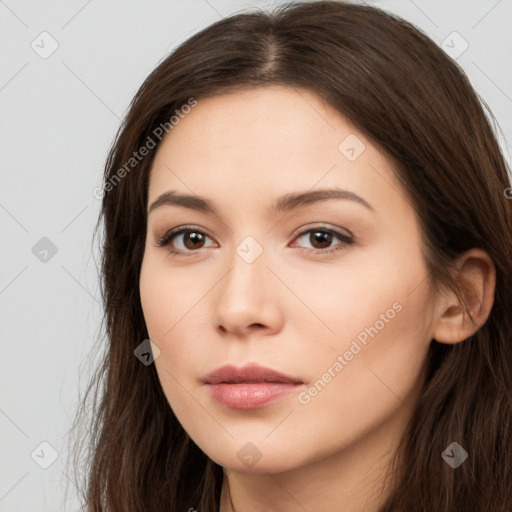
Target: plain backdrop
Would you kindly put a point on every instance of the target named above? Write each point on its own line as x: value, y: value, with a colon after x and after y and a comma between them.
x: 58, y: 114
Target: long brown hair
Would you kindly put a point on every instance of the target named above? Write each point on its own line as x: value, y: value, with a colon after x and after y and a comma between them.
x: 416, y: 105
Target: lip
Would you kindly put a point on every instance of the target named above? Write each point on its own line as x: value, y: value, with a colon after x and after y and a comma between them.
x: 250, y: 387
x: 250, y: 373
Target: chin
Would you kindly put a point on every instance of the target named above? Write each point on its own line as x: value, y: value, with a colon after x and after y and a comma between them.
x: 247, y: 457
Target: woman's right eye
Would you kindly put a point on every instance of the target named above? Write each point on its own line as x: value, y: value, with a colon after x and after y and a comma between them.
x: 183, y: 240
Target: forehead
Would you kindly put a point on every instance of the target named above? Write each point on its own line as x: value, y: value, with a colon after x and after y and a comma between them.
x: 264, y: 142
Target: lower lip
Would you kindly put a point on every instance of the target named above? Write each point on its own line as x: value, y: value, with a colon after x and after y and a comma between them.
x: 250, y: 395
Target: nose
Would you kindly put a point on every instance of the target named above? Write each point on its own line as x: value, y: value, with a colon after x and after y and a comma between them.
x: 247, y: 299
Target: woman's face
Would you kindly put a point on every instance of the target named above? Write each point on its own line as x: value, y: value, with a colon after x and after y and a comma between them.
x: 274, y: 271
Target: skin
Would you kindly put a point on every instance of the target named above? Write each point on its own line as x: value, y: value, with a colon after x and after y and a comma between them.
x: 291, y: 310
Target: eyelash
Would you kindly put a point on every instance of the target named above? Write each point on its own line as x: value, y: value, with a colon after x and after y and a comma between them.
x: 169, y: 235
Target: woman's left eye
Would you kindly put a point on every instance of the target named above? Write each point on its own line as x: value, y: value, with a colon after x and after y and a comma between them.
x: 321, y: 239
x: 185, y: 240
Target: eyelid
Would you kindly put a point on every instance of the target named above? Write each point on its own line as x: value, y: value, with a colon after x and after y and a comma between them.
x: 320, y: 227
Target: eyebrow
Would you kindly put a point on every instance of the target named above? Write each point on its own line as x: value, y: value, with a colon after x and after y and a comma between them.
x: 285, y: 203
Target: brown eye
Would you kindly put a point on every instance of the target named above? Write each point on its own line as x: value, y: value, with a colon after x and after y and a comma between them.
x: 320, y: 239
x: 193, y: 240
x: 323, y: 240
x: 184, y: 240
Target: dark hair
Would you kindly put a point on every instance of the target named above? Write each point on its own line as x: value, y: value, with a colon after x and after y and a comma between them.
x: 417, y: 106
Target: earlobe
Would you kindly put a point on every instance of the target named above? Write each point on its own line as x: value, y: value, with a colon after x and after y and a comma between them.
x: 476, y: 280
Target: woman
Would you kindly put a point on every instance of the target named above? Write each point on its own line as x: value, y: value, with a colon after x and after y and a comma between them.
x: 307, y: 277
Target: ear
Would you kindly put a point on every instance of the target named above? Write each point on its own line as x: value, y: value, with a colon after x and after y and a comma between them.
x: 476, y: 279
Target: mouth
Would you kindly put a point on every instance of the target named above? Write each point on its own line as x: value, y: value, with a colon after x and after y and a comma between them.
x: 249, y: 387
x: 249, y: 374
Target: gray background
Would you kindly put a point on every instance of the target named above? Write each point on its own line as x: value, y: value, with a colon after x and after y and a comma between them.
x: 57, y: 120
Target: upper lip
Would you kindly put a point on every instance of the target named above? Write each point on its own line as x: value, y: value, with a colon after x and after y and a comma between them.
x: 248, y: 373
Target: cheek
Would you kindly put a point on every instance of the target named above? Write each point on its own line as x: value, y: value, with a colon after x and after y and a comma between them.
x: 168, y: 321
x: 174, y: 311
x: 375, y: 338
x: 368, y: 295
x: 375, y: 365
x: 167, y: 297
x: 155, y: 304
